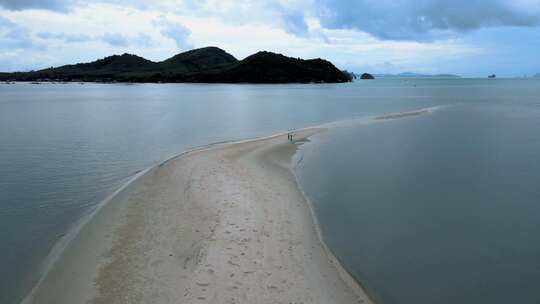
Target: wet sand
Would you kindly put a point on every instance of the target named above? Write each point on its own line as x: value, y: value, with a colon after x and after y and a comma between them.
x: 403, y: 114
x: 224, y: 224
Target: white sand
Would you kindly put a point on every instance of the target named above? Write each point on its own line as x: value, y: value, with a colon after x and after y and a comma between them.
x: 226, y: 224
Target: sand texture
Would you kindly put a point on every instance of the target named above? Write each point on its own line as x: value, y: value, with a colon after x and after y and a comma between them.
x: 225, y: 224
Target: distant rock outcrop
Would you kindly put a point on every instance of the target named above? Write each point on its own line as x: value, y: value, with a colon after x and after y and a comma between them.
x: 492, y: 76
x: 352, y: 75
x: 367, y: 76
x: 210, y: 64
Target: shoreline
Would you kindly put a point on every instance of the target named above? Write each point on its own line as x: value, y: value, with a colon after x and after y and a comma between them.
x: 57, y: 248
x: 92, y: 255
x: 347, y: 277
x: 64, y: 242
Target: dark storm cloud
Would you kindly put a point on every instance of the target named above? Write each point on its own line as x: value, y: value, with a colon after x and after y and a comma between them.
x: 56, y: 5
x: 425, y: 19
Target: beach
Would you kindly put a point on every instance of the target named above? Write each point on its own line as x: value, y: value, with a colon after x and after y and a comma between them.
x: 221, y: 224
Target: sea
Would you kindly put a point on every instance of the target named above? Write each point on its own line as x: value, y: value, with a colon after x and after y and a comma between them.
x: 440, y: 207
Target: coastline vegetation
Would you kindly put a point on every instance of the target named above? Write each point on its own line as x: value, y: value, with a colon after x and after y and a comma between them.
x: 204, y: 65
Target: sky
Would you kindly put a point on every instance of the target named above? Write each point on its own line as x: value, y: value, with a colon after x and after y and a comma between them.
x: 467, y: 37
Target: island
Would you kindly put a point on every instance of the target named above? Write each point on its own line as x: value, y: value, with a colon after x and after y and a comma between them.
x: 204, y: 65
x: 367, y: 76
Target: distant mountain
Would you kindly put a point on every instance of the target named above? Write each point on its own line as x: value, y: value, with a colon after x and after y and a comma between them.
x: 198, y: 59
x: 416, y: 75
x: 210, y: 64
x: 537, y: 75
x: 109, y: 65
x: 267, y: 67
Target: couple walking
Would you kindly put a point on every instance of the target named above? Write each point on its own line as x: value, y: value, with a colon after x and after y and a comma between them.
x: 290, y: 136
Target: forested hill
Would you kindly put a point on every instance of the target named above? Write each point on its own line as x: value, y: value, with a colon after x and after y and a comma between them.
x: 204, y: 65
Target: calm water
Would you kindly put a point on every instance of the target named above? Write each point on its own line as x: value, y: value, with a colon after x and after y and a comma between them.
x: 441, y: 208
x: 411, y: 206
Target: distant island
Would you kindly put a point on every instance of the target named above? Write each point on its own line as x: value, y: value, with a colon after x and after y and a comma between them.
x: 204, y: 65
x: 537, y: 75
x: 416, y: 75
x: 367, y: 76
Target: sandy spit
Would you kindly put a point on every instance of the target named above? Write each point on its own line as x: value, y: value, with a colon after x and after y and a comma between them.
x: 224, y: 224
x: 402, y: 114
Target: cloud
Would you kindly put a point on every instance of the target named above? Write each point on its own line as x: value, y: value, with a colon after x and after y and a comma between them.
x: 55, y: 5
x: 285, y: 15
x: 420, y: 35
x: 420, y: 20
x: 112, y: 39
x: 179, y: 34
x: 294, y: 23
x: 175, y: 31
x: 65, y: 37
x: 142, y: 39
x: 425, y: 19
x: 13, y: 36
x: 115, y: 39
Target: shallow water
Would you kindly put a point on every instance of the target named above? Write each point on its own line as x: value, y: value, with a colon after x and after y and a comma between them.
x: 437, y: 208
x: 64, y: 147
